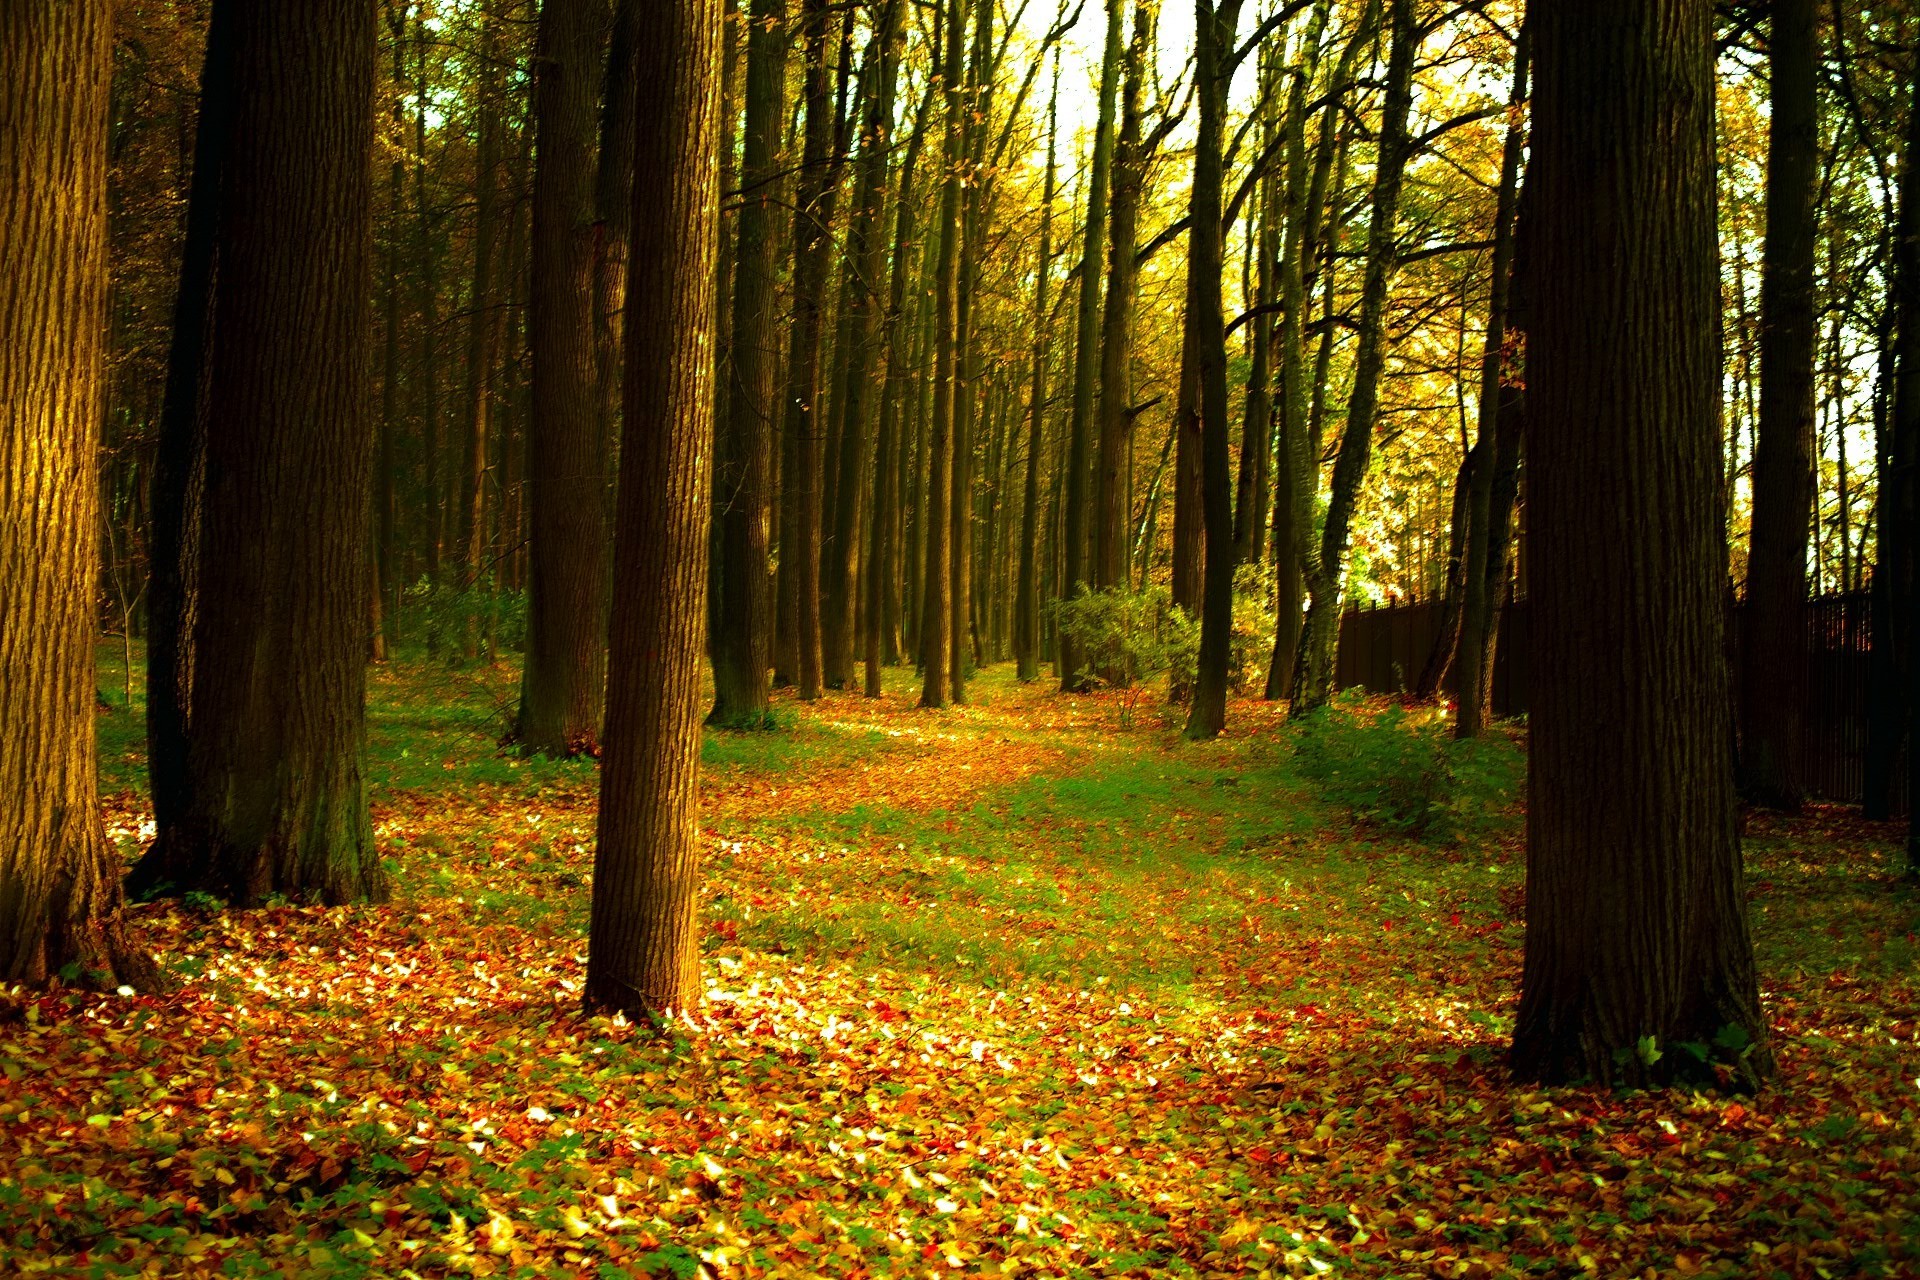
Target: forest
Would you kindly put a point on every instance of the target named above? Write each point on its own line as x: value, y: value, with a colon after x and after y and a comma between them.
x: 1080, y: 638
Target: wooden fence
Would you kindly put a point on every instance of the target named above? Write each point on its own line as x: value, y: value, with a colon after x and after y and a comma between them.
x: 1385, y: 649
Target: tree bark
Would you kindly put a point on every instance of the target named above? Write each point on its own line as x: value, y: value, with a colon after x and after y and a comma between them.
x: 1080, y: 428
x: 563, y: 688
x: 60, y: 899
x: 1637, y: 942
x: 1215, y: 25
x: 1491, y: 484
x: 1026, y: 605
x: 800, y: 428
x: 936, y: 585
x: 1112, y: 501
x: 742, y: 643
x: 483, y: 322
x: 1326, y: 571
x: 275, y: 791
x: 1773, y: 668
x: 643, y: 953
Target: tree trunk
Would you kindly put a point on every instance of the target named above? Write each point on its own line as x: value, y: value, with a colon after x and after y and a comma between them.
x: 1492, y: 480
x: 936, y: 583
x: 275, y: 790
x: 483, y: 327
x: 1080, y: 429
x: 1026, y: 605
x: 1214, y: 34
x: 742, y: 643
x: 60, y: 899
x: 643, y: 952
x: 563, y: 688
x: 800, y: 418
x: 1112, y: 503
x: 1326, y: 572
x: 882, y: 602
x: 1637, y: 942
x: 1773, y: 668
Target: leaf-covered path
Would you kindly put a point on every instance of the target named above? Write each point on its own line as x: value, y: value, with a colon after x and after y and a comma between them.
x: 992, y: 991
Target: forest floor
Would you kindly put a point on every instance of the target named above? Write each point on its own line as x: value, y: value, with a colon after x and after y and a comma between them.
x: 993, y: 991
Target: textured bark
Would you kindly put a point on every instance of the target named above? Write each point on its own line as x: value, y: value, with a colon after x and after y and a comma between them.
x: 1637, y: 936
x: 1112, y: 500
x: 275, y: 793
x: 1326, y: 572
x: 742, y: 641
x: 427, y: 247
x: 60, y: 902
x: 643, y: 952
x: 1492, y: 481
x: 1773, y: 668
x: 935, y: 580
x: 1214, y: 33
x: 800, y: 423
x: 1026, y: 604
x: 1080, y: 421
x: 563, y: 688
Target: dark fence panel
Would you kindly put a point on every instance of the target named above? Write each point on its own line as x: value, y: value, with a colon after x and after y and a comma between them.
x: 1385, y: 649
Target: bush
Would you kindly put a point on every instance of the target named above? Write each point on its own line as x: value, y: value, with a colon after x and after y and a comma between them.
x: 1129, y: 638
x: 1250, y: 649
x: 1406, y: 773
x: 444, y: 614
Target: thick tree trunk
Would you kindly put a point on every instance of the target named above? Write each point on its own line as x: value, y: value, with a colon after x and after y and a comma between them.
x: 275, y: 744
x: 1112, y: 501
x: 1026, y: 605
x: 1080, y: 422
x: 936, y: 584
x: 643, y: 952
x: 563, y: 688
x: 1214, y: 26
x: 1773, y: 675
x: 742, y: 643
x: 1637, y: 942
x: 60, y: 901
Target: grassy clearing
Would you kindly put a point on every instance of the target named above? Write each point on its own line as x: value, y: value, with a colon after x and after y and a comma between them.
x: 998, y: 990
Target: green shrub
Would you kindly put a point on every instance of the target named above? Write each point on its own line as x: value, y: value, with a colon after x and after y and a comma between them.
x: 1250, y: 647
x: 1129, y: 638
x: 441, y: 614
x: 1406, y: 773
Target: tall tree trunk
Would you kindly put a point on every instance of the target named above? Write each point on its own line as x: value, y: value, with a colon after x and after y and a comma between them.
x: 483, y: 327
x: 1081, y: 427
x: 1773, y: 668
x: 1214, y: 33
x: 613, y: 210
x: 800, y: 418
x: 1026, y: 605
x: 1113, y: 499
x: 742, y: 644
x: 275, y: 790
x: 882, y: 605
x: 60, y: 899
x: 386, y: 612
x: 1326, y: 572
x: 432, y: 440
x: 563, y: 688
x: 643, y: 951
x: 1637, y: 938
x: 1492, y: 478
x: 1889, y: 708
x: 966, y: 395
x: 936, y: 585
